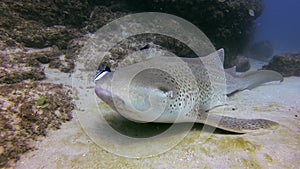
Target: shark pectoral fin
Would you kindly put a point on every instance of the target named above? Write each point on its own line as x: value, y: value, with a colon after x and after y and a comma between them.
x: 239, y: 125
x: 262, y: 76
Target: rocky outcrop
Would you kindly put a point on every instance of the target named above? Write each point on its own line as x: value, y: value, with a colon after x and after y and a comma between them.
x: 52, y: 12
x: 26, y: 25
x: 287, y: 64
x: 228, y: 24
x: 18, y: 64
x: 102, y: 15
x: 39, y: 24
x: 34, y: 34
x: 242, y: 64
x: 29, y: 110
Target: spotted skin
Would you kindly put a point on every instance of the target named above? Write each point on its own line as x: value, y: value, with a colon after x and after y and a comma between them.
x: 179, y: 90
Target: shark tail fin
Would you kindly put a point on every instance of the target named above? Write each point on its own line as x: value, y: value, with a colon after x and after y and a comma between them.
x: 239, y: 125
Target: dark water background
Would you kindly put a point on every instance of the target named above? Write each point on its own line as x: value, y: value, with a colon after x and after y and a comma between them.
x: 280, y: 24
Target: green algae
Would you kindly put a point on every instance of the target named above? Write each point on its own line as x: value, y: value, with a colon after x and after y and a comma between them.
x: 269, y: 108
x: 41, y: 101
x: 251, y: 164
x: 239, y: 143
x: 191, y: 138
x: 104, y: 106
x: 269, y: 158
x: 205, y: 150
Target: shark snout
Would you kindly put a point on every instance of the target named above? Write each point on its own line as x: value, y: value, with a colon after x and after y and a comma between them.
x: 103, y: 90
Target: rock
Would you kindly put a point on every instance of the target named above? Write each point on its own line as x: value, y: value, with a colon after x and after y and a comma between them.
x: 100, y: 16
x: 45, y: 55
x: 23, y: 120
x: 51, y: 12
x: 242, y: 64
x: 286, y: 64
x: 65, y: 61
x: 228, y: 24
x: 262, y: 50
x: 43, y: 59
x: 21, y: 25
x: 116, y: 57
x: 6, y: 41
x: 18, y: 64
x: 39, y: 24
x: 37, y: 36
x: 18, y: 74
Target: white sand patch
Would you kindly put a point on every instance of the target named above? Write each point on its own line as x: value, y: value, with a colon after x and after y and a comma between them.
x: 56, y: 76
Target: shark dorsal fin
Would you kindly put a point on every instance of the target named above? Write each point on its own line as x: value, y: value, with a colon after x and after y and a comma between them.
x: 221, y: 54
x: 231, y: 70
x: 214, y: 60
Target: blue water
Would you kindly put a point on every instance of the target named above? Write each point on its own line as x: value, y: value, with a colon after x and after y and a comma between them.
x: 280, y: 24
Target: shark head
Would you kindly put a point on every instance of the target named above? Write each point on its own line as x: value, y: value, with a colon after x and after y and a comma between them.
x: 103, y: 81
x: 140, y: 99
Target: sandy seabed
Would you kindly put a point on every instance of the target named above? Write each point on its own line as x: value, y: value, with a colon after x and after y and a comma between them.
x: 71, y: 147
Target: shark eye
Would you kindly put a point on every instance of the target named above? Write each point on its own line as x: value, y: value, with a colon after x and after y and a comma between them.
x: 101, y: 72
x: 163, y: 89
x: 167, y: 92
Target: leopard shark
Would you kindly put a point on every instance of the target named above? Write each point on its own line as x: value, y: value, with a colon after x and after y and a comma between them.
x: 179, y: 90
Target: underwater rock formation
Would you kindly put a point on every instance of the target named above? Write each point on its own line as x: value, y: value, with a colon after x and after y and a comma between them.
x: 116, y: 56
x: 37, y: 24
x: 56, y: 24
x: 228, y: 24
x: 286, y: 64
x: 52, y: 12
x: 242, y: 64
x: 29, y: 110
x: 18, y: 64
x: 32, y: 34
x: 102, y: 15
